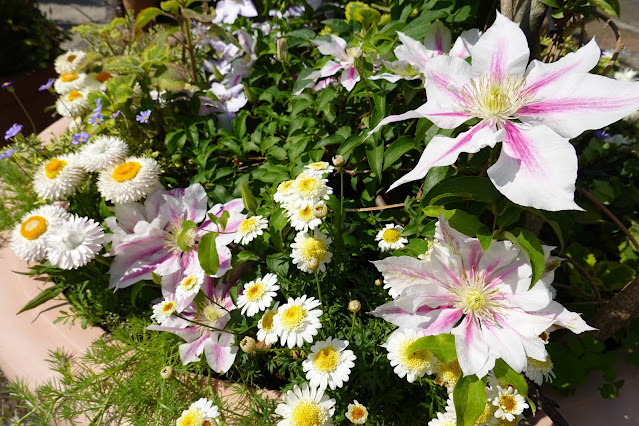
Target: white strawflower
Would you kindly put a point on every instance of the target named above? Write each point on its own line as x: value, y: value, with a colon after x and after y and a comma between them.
x: 320, y: 168
x: 357, y: 413
x: 306, y: 407
x: 510, y: 404
x: 266, y: 327
x: 297, y: 321
x: 73, y: 104
x: 163, y: 311
x: 310, y: 253
x: 69, y: 61
x: 250, y: 228
x: 58, y: 178
x: 130, y: 181
x: 199, y: 413
x: 69, y: 81
x: 28, y: 237
x: 309, y: 188
x: 329, y: 364
x: 74, y: 242
x: 539, y: 371
x: 258, y: 295
x: 285, y: 192
x: 444, y: 419
x: 410, y: 365
x: 303, y: 219
x: 390, y: 237
x: 102, y: 153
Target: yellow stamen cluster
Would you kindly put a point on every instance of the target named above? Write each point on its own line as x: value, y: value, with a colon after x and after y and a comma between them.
x: 327, y: 359
x: 313, y: 249
x: 168, y: 307
x: 416, y: 362
x: 391, y: 235
x: 256, y: 291
x: 495, y: 99
x: 267, y: 320
x: 126, y: 171
x: 249, y: 225
x: 54, y: 167
x: 190, y: 418
x: 448, y: 373
x: 308, y: 413
x: 33, y: 227
x: 68, y: 77
x: 189, y: 283
x: 73, y: 95
x: 292, y: 317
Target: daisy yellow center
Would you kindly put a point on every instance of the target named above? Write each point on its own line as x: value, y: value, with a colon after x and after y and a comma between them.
x: 358, y: 413
x: 493, y: 98
x: 508, y: 403
x: 249, y: 225
x: 306, y: 214
x: 168, y: 308
x: 285, y: 186
x: 256, y: 291
x: 68, y: 77
x: 327, y: 359
x: 103, y: 76
x: 448, y: 373
x: 189, y: 283
x: 293, y: 317
x: 309, y: 186
x: 126, y: 171
x: 415, y: 362
x: 317, y: 166
x: 73, y: 95
x: 313, y: 249
x: 267, y: 321
x: 541, y: 365
x: 71, y: 58
x: 391, y: 235
x: 33, y: 227
x: 53, y: 167
x: 190, y: 418
x: 307, y: 413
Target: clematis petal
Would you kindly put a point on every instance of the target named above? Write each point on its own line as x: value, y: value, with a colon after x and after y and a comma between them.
x: 396, y: 315
x: 444, y: 77
x: 195, y: 200
x: 473, y: 353
x: 220, y: 353
x: 432, y: 295
x: 502, y: 50
x: 583, y: 102
x: 190, y: 352
x: 403, y: 271
x: 413, y: 52
x: 349, y: 77
x: 465, y: 42
x: 442, y: 151
x: 437, y: 38
x: 329, y: 69
x: 508, y: 344
x: 336, y: 47
x: 416, y: 113
x: 564, y: 318
x: 536, y: 168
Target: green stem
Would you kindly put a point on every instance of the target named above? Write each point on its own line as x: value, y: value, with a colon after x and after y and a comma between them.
x: 208, y: 326
x: 319, y: 292
x: 190, y: 48
x: 350, y: 335
x: 25, y: 110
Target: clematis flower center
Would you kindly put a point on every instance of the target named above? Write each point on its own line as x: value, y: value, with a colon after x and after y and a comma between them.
x: 353, y: 52
x: 474, y: 297
x: 53, y: 167
x: 33, y: 227
x: 211, y: 314
x: 173, y: 233
x: 494, y: 99
x: 327, y: 359
x: 293, y: 317
x: 126, y: 171
x: 308, y: 413
x: 256, y: 291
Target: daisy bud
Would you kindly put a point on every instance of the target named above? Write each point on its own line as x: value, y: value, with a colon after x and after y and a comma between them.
x: 338, y: 161
x: 354, y: 306
x: 312, y: 264
x: 247, y: 344
x: 320, y: 210
x: 378, y: 282
x: 167, y: 373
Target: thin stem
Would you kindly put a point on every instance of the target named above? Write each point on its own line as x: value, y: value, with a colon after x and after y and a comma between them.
x: 372, y: 209
x: 319, y: 292
x: 208, y: 326
x: 190, y: 49
x: 341, y: 193
x: 350, y: 335
x: 35, y: 131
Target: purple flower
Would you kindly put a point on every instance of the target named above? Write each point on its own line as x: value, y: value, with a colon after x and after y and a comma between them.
x: 601, y: 134
x: 8, y: 153
x: 95, y: 119
x: 78, y: 138
x: 13, y: 130
x: 143, y: 117
x: 98, y: 105
x: 47, y: 85
x: 6, y: 84
x: 115, y: 114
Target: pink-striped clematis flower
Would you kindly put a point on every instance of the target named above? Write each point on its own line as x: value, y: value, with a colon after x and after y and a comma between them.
x: 533, y: 110
x: 482, y: 298
x: 345, y: 57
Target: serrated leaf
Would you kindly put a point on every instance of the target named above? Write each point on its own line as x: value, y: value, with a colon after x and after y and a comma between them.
x: 207, y: 253
x: 44, y: 296
x: 469, y: 397
x: 441, y: 345
x: 147, y: 15
x: 532, y: 247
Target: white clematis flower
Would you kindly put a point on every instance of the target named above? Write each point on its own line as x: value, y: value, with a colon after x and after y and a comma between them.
x: 346, y: 58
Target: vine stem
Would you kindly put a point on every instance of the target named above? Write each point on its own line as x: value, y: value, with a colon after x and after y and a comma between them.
x: 372, y: 209
x: 618, y: 45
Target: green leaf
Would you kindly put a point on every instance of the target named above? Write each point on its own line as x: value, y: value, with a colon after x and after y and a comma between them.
x: 146, y: 16
x: 137, y: 288
x: 223, y: 219
x: 609, y: 7
x: 244, y: 256
x: 469, y: 397
x: 200, y: 17
x: 207, y: 253
x: 233, y: 291
x: 506, y: 374
x: 44, y: 296
x: 105, y: 211
x: 248, y: 199
x: 465, y: 223
x: 473, y: 187
x: 442, y: 346
x: 278, y: 263
x: 171, y: 6
x: 157, y: 279
x: 156, y: 52
x: 336, y: 25
x: 375, y: 155
x: 186, y: 226
x: 398, y: 148
x: 532, y: 247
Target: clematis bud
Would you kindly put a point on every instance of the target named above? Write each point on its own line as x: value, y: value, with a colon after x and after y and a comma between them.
x: 354, y: 306
x: 247, y: 344
x: 282, y: 50
x: 167, y: 373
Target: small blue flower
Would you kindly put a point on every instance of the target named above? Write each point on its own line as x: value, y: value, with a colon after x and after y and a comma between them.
x: 601, y: 134
x: 13, y: 130
x: 8, y: 153
x: 98, y: 105
x: 78, y: 138
x: 115, y: 114
x: 6, y: 84
x: 95, y: 119
x: 47, y: 85
x: 143, y: 117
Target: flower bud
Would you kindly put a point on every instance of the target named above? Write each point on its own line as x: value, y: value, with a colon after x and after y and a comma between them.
x: 338, y: 161
x: 247, y: 344
x: 320, y: 210
x: 312, y: 263
x: 378, y: 282
x: 167, y: 373
x: 354, y: 306
x: 281, y: 51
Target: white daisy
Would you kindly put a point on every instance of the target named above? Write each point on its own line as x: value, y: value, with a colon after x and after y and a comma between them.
x: 72, y: 104
x: 58, y: 177
x: 303, y: 218
x: 539, y: 371
x: 320, y: 168
x: 199, y: 413
x: 411, y: 365
x: 189, y: 286
x: 69, y: 81
x: 309, y: 188
x: 390, y: 237
x: 266, y: 328
x: 250, y: 228
x: 357, y: 413
x: 74, y: 242
x: 329, y: 364
x: 297, y: 321
x: 285, y: 192
x: 69, y: 61
x: 509, y: 403
x: 130, y: 181
x: 311, y: 253
x: 306, y: 407
x: 258, y: 295
x: 98, y: 81
x: 447, y: 374
x: 103, y: 152
x: 163, y: 311
x: 444, y: 419
x: 27, y: 238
